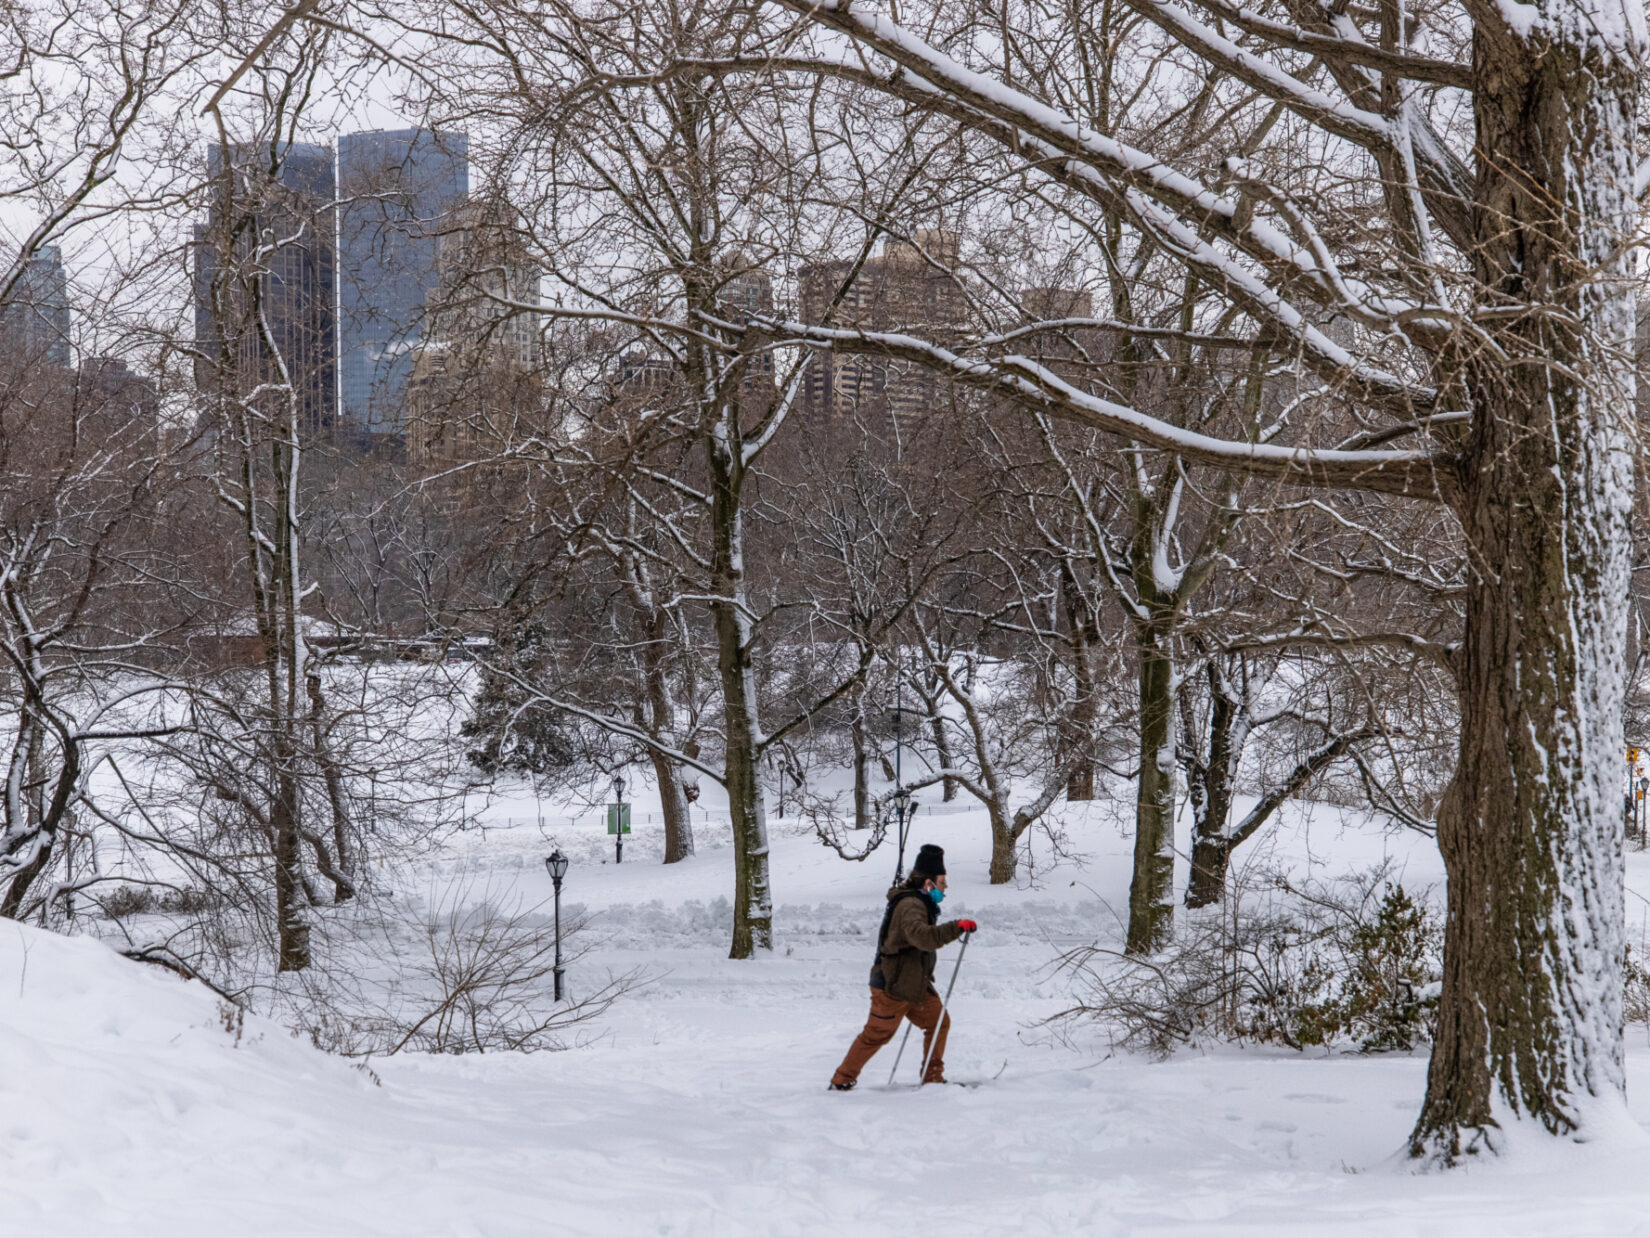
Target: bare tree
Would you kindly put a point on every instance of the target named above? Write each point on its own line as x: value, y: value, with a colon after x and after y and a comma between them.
x: 82, y: 632
x: 1494, y: 328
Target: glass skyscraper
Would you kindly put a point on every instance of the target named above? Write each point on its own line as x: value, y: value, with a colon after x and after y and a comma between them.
x: 395, y: 186
x: 274, y: 236
x: 34, y: 319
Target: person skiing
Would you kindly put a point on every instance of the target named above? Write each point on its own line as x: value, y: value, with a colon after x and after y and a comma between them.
x: 902, y: 978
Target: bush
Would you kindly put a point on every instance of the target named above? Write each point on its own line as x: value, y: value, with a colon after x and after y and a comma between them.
x: 513, y: 733
x: 1354, y: 961
x: 461, y: 974
x: 1385, y: 1003
x: 1636, y: 992
x: 133, y: 900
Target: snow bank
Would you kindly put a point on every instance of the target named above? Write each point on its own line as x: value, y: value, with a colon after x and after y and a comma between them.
x: 698, y: 1107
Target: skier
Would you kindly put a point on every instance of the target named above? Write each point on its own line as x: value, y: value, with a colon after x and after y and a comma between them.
x: 902, y: 978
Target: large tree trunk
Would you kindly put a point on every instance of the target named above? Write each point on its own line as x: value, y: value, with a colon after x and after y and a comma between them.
x: 1005, y: 861
x: 1530, y: 1022
x: 673, y: 799
x: 1211, y: 858
x: 12, y: 904
x: 1151, y: 891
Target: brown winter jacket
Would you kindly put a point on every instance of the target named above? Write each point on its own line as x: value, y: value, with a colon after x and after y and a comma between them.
x: 909, y: 950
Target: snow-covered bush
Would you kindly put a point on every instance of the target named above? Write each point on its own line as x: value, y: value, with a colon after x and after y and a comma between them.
x: 1352, y: 962
x: 1636, y: 990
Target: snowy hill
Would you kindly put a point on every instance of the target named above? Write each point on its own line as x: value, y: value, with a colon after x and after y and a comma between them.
x: 130, y: 1105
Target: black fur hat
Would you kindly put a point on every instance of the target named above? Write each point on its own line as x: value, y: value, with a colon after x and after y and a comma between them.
x: 930, y: 862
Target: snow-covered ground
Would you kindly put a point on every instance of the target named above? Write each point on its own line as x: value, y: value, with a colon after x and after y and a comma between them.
x: 129, y: 1105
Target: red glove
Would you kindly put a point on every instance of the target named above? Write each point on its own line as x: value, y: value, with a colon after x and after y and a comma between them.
x: 967, y: 926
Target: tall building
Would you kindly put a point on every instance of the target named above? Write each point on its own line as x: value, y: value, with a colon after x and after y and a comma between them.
x: 34, y: 318
x: 266, y: 252
x: 395, y: 186
x: 909, y: 285
x: 474, y: 386
x: 749, y: 290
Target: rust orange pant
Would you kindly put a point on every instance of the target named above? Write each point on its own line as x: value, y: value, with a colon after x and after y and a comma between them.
x: 886, y: 1013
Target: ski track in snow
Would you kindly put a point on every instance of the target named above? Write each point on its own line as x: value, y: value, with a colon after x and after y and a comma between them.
x: 698, y: 1106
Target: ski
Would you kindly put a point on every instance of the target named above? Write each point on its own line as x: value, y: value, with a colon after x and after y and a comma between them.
x: 959, y: 1083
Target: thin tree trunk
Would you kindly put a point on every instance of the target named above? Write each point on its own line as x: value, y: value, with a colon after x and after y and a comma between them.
x: 862, y: 764
x: 936, y: 728
x: 661, y: 722
x: 333, y: 867
x: 942, y: 753
x: 1078, y: 739
x: 292, y: 946
x: 1151, y: 891
x: 1530, y: 1019
x: 747, y: 810
x: 1212, y: 844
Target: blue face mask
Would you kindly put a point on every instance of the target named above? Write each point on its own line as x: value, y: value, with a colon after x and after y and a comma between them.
x: 937, y: 895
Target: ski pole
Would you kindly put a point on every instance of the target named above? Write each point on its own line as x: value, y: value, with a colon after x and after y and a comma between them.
x: 899, y: 1054
x: 905, y: 1038
x: 945, y: 1003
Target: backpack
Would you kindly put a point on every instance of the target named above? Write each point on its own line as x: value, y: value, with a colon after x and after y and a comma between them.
x: 882, y: 933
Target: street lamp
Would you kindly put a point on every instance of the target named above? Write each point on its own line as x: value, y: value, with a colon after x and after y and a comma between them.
x: 905, y: 809
x: 556, y: 863
x: 618, y: 819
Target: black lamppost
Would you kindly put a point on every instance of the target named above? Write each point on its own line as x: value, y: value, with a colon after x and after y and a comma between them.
x: 619, y: 822
x: 905, y: 808
x: 556, y: 862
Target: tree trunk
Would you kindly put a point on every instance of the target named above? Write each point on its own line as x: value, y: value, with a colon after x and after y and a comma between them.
x: 752, y: 905
x: 1212, y: 842
x: 1005, y: 860
x: 661, y: 724
x: 862, y: 765
x: 673, y: 799
x: 25, y: 877
x: 292, y: 947
x: 752, y: 899
x: 334, y: 868
x: 1530, y: 1020
x: 942, y: 753
x: 1211, y: 856
x: 1078, y: 737
x: 1151, y: 891
x: 46, y: 816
